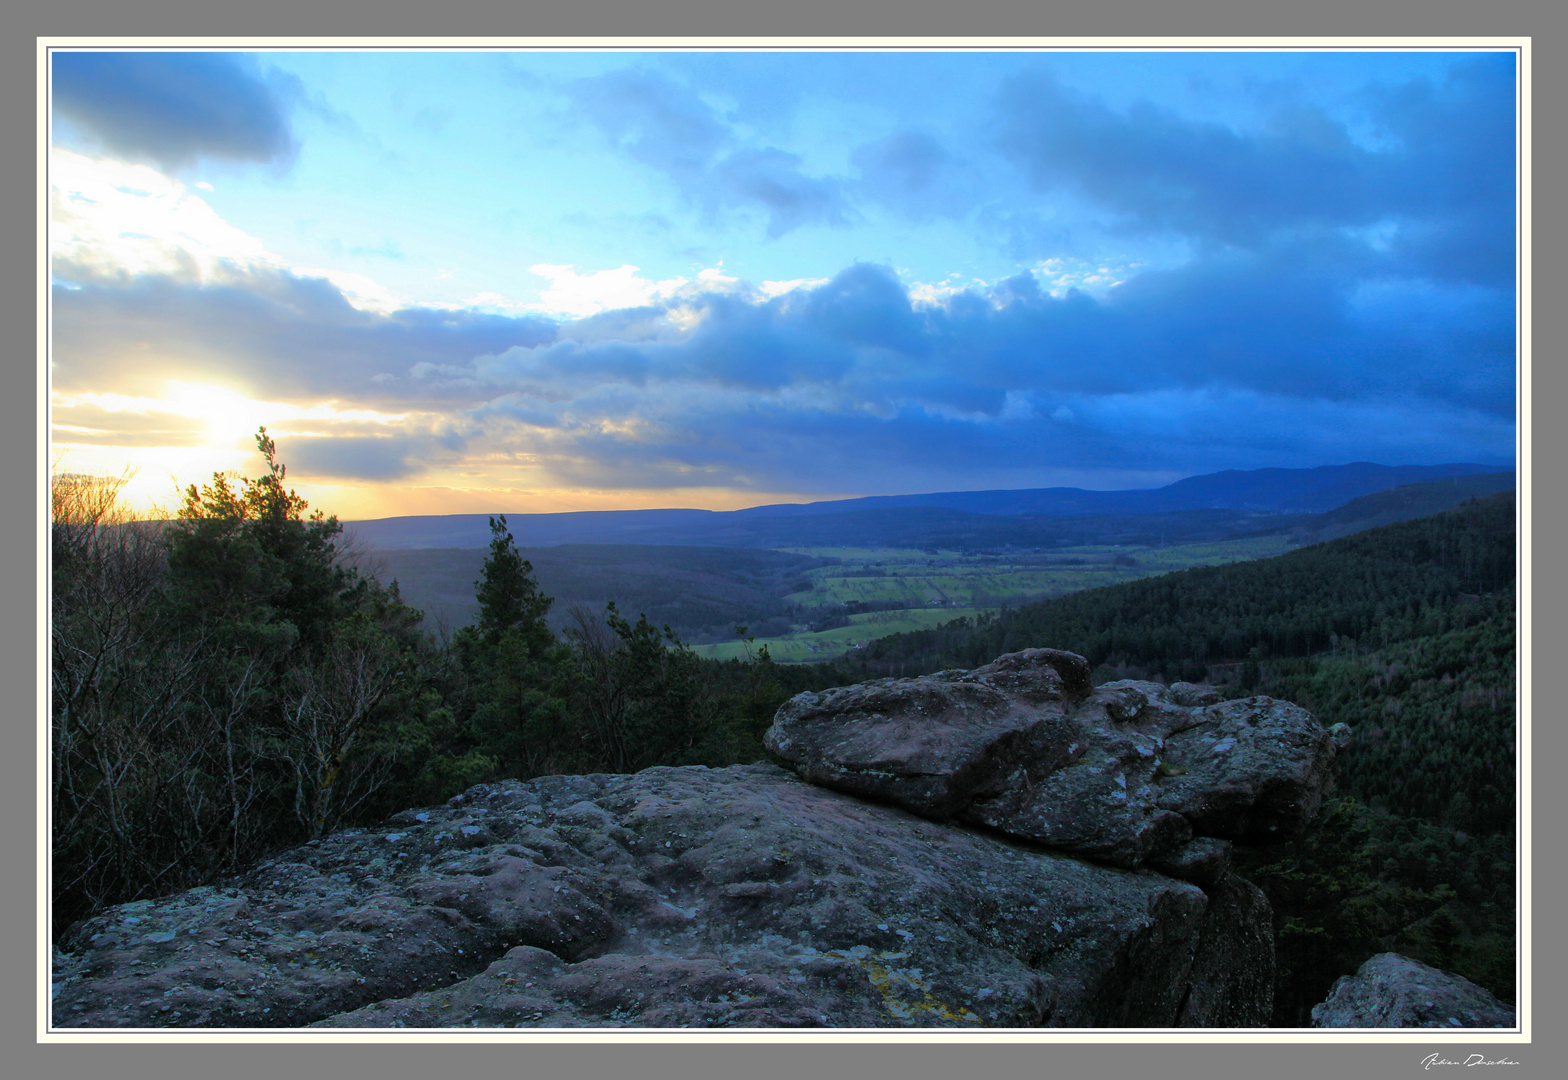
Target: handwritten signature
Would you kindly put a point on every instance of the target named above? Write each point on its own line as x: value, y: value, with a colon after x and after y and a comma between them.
x: 1469, y: 1062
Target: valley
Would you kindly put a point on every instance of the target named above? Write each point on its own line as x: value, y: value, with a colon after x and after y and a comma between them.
x: 817, y: 581
x: 867, y: 593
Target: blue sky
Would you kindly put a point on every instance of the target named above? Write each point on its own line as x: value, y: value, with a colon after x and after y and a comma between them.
x: 473, y: 281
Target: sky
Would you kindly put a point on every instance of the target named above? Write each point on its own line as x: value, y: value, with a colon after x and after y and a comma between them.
x: 478, y: 281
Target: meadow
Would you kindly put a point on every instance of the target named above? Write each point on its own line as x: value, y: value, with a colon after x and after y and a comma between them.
x: 860, y: 594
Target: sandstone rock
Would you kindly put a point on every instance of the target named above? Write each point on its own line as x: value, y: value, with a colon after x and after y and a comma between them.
x: 737, y: 897
x: 1126, y: 773
x: 1194, y: 695
x: 1235, y: 968
x: 1393, y: 991
x: 933, y: 744
x: 1202, y: 861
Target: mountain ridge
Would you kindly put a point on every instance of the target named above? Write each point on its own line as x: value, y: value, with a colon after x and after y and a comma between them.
x: 1314, y: 490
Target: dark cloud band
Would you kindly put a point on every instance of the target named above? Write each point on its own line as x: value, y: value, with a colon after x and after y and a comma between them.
x: 174, y: 108
x: 1231, y: 361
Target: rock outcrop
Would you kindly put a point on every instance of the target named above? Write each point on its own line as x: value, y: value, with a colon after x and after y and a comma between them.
x: 1124, y: 774
x: 958, y: 894
x: 1393, y: 991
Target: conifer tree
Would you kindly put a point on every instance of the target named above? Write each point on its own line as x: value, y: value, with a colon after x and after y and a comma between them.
x: 514, y: 665
x: 509, y: 596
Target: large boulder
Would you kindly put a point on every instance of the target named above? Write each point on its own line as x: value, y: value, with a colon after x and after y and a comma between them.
x: 1393, y: 991
x: 1126, y: 773
x: 739, y: 897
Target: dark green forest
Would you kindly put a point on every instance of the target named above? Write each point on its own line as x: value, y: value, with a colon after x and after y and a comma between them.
x: 227, y: 684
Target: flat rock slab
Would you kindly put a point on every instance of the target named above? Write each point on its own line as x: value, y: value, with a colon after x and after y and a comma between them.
x: 1126, y: 773
x: 737, y: 897
x: 1394, y: 991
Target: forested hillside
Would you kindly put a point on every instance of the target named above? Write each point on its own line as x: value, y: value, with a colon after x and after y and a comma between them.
x: 1375, y: 588
x: 1403, y: 503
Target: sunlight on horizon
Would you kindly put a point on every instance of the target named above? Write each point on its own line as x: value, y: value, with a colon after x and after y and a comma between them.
x: 160, y: 475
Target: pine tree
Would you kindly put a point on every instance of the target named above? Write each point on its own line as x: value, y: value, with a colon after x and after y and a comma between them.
x: 509, y: 597
x: 514, y: 666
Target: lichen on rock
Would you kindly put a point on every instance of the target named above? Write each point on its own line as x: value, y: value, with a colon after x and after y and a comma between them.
x: 1123, y: 773
x: 1394, y: 991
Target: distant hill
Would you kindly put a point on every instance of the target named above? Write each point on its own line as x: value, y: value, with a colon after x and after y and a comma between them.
x: 982, y: 516
x: 934, y: 528
x: 530, y: 530
x: 1404, y: 503
x: 1269, y: 490
x: 1320, y: 489
x: 703, y: 592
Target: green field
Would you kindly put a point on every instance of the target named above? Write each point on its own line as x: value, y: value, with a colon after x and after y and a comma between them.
x: 826, y: 644
x: 935, y: 587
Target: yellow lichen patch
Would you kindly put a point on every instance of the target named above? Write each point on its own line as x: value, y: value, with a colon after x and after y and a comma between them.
x: 905, y: 993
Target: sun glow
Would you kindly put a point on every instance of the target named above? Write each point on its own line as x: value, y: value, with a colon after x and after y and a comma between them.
x: 185, y: 435
x: 227, y: 412
x: 222, y: 407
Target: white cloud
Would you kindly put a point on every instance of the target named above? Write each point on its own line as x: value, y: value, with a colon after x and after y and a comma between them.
x: 770, y: 289
x: 359, y: 290
x: 111, y: 219
x: 929, y: 295
x: 108, y: 217
x: 714, y: 278
x: 1058, y: 276
x: 221, y: 404
x: 577, y: 295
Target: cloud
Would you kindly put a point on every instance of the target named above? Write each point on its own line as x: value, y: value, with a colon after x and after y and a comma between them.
x: 1419, y: 173
x: 917, y: 174
x: 362, y: 292
x: 1431, y: 190
x: 1319, y: 332
x: 109, y: 218
x: 1188, y: 295
x: 1158, y: 171
x: 356, y: 458
x: 773, y: 179
x: 720, y: 165
x: 779, y: 288
x: 579, y: 294
x: 177, y: 108
x: 112, y: 220
x: 851, y: 385
x: 326, y: 439
x: 274, y: 332
x: 582, y: 295
x: 668, y: 127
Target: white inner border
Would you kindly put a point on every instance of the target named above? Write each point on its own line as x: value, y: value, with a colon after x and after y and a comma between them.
x: 1521, y: 46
